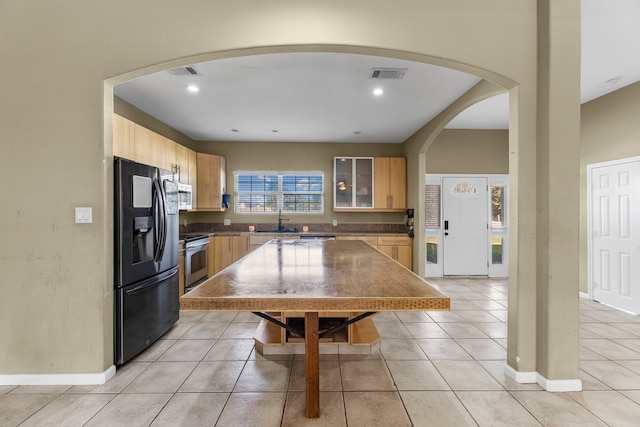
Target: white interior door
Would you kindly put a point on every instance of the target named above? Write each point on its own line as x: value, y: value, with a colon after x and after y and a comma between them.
x: 615, y: 234
x: 465, y: 239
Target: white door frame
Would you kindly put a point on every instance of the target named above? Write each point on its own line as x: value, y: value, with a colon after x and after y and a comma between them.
x: 590, y: 283
x: 495, y: 270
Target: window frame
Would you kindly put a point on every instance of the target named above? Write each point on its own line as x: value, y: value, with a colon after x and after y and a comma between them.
x: 280, y: 193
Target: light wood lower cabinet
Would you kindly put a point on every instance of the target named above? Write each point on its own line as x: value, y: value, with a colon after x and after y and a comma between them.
x: 370, y: 240
x: 227, y: 250
x: 257, y: 240
x: 400, y: 248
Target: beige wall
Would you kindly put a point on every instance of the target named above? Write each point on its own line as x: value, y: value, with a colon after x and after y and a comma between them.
x: 59, y: 60
x: 469, y: 151
x: 610, y: 130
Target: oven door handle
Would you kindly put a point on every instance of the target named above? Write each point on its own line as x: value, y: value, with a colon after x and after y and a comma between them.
x: 196, y: 245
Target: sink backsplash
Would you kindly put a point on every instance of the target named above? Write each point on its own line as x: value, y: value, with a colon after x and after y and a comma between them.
x: 313, y: 228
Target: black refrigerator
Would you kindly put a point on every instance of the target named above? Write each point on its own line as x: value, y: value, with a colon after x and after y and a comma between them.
x: 146, y: 256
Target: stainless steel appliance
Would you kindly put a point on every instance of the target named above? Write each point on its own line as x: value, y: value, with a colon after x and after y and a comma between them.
x: 196, y: 259
x: 185, y: 197
x: 146, y: 256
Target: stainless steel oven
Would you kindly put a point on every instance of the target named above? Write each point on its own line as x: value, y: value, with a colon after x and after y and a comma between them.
x: 196, y: 258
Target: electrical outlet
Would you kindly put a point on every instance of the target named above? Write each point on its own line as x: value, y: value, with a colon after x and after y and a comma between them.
x: 335, y: 222
x: 227, y: 222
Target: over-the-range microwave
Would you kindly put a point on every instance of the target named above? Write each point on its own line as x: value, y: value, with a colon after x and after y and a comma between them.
x: 185, y: 197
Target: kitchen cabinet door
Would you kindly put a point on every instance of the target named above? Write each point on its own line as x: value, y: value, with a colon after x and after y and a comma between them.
x: 123, y: 137
x: 211, y: 257
x: 390, y: 184
x: 353, y: 179
x: 227, y: 250
x: 400, y: 248
x: 223, y: 252
x: 182, y: 163
x: 193, y: 177
x: 148, y: 146
x: 239, y: 247
x: 168, y: 154
x: 212, y: 182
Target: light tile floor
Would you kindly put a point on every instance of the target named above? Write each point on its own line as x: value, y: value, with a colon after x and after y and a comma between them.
x: 433, y: 369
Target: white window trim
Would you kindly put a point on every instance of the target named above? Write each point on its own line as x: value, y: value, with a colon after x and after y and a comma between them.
x: 279, y: 193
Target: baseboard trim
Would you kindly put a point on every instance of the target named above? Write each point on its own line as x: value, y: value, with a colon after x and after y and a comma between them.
x: 520, y: 377
x: 58, y: 379
x: 584, y: 295
x: 559, y: 385
x: 536, y: 378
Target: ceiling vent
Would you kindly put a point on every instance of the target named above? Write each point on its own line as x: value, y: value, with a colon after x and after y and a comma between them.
x: 387, y: 73
x: 189, y: 70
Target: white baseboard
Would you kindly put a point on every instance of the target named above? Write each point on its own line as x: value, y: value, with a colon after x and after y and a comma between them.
x: 559, y: 385
x: 536, y: 378
x: 520, y: 377
x: 584, y: 295
x: 58, y: 379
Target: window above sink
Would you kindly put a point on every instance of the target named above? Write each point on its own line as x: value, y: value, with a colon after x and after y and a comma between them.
x: 273, y: 192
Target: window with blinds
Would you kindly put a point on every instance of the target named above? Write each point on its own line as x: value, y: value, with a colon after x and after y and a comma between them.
x: 432, y: 205
x: 293, y: 192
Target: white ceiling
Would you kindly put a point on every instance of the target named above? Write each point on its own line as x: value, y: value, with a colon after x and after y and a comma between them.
x: 328, y: 97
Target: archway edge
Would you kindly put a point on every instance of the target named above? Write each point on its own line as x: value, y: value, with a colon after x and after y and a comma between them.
x: 488, y: 75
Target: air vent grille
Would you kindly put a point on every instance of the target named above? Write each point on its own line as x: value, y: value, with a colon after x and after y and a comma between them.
x: 387, y: 73
x: 189, y: 70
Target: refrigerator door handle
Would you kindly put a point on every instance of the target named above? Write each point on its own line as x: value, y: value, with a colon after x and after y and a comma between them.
x: 161, y: 229
x: 165, y: 220
x: 150, y: 284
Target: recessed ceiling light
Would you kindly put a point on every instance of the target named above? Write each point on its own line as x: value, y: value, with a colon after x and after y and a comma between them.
x: 234, y: 130
x: 378, y: 91
x: 358, y: 132
x: 275, y: 131
x: 193, y: 88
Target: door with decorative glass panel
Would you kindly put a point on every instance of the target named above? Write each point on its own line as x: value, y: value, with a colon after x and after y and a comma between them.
x: 615, y: 234
x: 465, y: 226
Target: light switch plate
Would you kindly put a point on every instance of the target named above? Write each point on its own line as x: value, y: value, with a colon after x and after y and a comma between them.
x: 227, y: 222
x: 335, y: 222
x: 83, y: 216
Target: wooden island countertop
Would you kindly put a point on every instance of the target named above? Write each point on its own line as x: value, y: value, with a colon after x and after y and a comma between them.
x: 313, y: 276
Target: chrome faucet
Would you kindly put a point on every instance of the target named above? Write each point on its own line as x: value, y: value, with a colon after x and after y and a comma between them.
x: 280, y: 219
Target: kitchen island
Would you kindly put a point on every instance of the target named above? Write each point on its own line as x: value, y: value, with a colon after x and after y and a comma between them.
x: 314, y: 276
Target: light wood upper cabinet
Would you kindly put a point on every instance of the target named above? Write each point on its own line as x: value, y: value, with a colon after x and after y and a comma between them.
x: 390, y: 184
x: 212, y: 182
x: 182, y: 163
x: 123, y: 139
x: 148, y: 146
x: 193, y: 177
x: 353, y: 178
x: 377, y: 184
x: 168, y: 154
